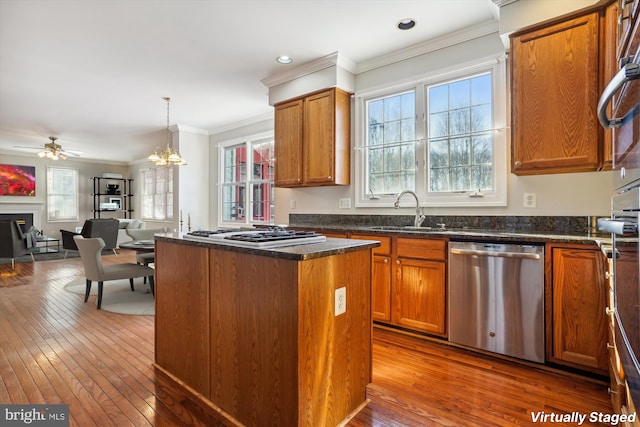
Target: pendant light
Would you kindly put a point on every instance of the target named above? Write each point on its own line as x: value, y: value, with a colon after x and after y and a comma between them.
x: 167, y: 156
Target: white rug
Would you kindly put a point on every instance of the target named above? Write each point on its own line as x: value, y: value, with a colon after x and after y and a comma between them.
x: 117, y: 296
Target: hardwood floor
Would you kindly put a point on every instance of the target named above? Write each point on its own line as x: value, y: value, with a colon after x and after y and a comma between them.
x: 56, y: 349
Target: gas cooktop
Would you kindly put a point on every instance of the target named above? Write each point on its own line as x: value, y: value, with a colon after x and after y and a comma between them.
x: 267, y: 238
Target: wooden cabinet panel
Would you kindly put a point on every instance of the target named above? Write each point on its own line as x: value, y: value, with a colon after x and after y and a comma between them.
x: 182, y: 315
x: 578, y: 301
x: 312, y: 140
x: 421, y: 248
x: 418, y: 300
x: 555, y: 89
x: 381, y: 280
x: 381, y: 288
x: 385, y: 242
x: 288, y: 143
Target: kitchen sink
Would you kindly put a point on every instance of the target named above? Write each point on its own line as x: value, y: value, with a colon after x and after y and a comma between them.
x: 405, y: 228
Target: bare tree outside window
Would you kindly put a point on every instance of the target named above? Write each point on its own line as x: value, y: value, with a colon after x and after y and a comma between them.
x: 460, y: 135
x: 391, y: 134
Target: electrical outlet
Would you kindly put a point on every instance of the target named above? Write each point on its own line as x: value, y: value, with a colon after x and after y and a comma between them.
x: 341, y: 301
x: 292, y: 204
x: 344, y: 203
x: 529, y: 200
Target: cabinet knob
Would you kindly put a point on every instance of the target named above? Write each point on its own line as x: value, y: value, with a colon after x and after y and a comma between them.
x: 610, y: 347
x: 397, y: 261
x: 607, y: 275
x: 518, y: 163
x: 611, y: 391
x: 386, y: 261
x: 608, y: 311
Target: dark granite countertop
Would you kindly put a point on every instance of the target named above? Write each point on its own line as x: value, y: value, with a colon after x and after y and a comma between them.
x: 296, y: 252
x: 533, y: 230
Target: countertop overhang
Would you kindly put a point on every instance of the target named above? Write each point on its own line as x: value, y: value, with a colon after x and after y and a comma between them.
x: 300, y: 252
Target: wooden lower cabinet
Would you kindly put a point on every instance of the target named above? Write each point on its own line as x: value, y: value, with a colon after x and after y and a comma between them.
x: 418, y: 300
x: 577, y: 297
x: 381, y: 277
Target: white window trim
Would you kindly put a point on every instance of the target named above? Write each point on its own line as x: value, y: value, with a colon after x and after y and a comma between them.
x: 497, y: 197
x: 220, y: 179
x: 51, y: 218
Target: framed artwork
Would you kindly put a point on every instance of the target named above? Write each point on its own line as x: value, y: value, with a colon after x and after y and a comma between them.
x: 117, y: 201
x: 17, y: 180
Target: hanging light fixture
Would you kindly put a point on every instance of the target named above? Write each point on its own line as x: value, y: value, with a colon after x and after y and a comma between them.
x: 167, y: 156
x: 52, y: 150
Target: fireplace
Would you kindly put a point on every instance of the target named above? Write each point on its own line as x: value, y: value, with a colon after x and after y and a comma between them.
x: 27, y: 214
x: 25, y: 220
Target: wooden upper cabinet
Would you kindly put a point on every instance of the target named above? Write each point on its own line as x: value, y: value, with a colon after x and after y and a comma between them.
x: 288, y: 143
x: 312, y: 140
x: 555, y: 89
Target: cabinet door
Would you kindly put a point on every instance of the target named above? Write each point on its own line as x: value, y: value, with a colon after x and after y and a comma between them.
x: 555, y: 90
x: 288, y: 143
x: 579, y: 292
x: 381, y: 288
x: 319, y: 131
x: 418, y: 300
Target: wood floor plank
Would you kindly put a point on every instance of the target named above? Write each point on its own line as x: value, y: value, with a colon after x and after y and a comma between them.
x: 54, y: 348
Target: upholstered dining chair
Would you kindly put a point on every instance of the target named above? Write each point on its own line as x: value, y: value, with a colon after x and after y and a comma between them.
x: 91, y: 254
x: 107, y: 229
x: 13, y: 243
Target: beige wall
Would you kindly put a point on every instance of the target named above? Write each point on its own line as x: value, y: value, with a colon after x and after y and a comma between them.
x: 85, y: 201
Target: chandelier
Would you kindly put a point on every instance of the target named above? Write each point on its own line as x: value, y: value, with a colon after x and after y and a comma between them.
x: 167, y: 156
x: 52, y: 150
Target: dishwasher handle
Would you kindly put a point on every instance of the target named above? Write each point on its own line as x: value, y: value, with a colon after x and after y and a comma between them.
x: 499, y: 254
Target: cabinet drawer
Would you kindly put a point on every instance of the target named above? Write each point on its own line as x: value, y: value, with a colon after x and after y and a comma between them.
x: 385, y: 243
x: 421, y: 248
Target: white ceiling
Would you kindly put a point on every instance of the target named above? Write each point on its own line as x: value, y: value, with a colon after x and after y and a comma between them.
x: 93, y: 72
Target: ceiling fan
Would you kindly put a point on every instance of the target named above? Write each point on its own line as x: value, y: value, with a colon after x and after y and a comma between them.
x: 53, y: 150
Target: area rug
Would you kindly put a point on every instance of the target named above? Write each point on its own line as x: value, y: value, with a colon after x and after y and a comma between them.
x: 117, y: 296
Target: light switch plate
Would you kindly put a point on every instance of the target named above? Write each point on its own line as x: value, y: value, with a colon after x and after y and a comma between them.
x: 341, y: 301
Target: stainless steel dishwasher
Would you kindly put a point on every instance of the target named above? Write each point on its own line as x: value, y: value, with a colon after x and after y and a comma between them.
x: 496, y: 298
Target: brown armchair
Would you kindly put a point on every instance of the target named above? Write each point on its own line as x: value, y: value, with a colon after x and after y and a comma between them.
x: 13, y: 243
x: 107, y: 229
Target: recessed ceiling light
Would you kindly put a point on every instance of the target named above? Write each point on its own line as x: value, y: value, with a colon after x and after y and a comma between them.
x: 406, y: 24
x: 284, y: 59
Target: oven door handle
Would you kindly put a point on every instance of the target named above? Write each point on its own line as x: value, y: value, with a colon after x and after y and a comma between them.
x: 616, y: 226
x: 630, y: 71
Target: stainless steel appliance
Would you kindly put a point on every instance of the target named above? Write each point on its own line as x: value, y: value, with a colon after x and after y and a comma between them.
x: 496, y: 298
x: 263, y: 239
x: 623, y: 92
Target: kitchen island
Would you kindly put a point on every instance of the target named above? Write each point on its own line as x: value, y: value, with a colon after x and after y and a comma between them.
x: 258, y: 337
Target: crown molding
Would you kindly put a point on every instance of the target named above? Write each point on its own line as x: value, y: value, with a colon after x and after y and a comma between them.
x: 476, y: 31
x: 501, y: 3
x: 311, y: 67
x: 188, y: 129
x: 242, y: 123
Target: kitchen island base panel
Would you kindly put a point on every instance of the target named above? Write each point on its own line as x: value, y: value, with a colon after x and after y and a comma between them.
x: 275, y: 350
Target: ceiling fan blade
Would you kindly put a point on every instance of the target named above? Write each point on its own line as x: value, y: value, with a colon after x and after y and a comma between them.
x: 29, y: 148
x: 71, y: 153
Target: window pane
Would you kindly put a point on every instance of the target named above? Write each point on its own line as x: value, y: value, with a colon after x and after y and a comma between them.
x: 62, y: 194
x: 249, y: 165
x: 391, y: 134
x: 460, y: 148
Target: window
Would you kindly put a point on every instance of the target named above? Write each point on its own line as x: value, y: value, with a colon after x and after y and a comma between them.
x: 62, y: 194
x: 157, y: 193
x: 443, y: 138
x: 247, y: 170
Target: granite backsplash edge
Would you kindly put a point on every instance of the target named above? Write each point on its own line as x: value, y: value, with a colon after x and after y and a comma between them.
x: 517, y: 224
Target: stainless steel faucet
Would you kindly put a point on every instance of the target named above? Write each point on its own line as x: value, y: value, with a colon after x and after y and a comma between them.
x: 419, y: 219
